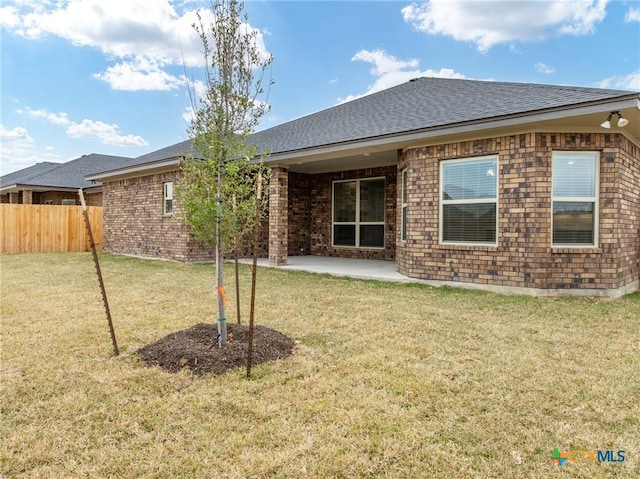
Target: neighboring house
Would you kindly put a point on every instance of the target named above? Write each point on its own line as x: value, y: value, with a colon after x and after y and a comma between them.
x: 503, y: 186
x: 57, y: 183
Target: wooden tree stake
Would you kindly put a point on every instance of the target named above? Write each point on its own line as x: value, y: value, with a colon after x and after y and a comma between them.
x: 99, y: 272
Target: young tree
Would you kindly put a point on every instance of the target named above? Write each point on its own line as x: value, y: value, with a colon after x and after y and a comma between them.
x: 217, y: 186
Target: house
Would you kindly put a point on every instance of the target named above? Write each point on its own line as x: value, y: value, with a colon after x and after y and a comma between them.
x: 505, y: 186
x: 49, y: 183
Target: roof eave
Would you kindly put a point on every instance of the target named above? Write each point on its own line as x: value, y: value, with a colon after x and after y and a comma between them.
x: 407, y: 138
x: 37, y: 188
x: 168, y: 164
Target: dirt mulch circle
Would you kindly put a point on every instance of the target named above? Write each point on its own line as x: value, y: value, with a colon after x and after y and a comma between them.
x: 191, y: 348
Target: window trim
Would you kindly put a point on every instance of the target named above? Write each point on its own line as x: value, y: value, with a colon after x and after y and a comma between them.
x: 579, y: 199
x: 403, y: 205
x: 166, y: 198
x: 444, y: 202
x: 357, y: 223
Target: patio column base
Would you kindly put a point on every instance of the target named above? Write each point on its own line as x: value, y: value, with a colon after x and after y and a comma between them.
x: 278, y: 216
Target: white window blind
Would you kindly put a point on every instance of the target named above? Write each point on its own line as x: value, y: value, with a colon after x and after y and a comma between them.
x: 469, y: 201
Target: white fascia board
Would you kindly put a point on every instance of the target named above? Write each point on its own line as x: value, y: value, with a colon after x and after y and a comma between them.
x: 36, y: 188
x: 137, y: 170
x: 9, y: 189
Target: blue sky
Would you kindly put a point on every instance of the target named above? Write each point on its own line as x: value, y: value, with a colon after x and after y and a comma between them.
x: 98, y: 76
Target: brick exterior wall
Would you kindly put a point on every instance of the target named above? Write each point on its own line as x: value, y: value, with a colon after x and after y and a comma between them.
x: 27, y: 197
x: 300, y: 216
x: 524, y: 257
x: 300, y: 220
x: 310, y: 214
x: 278, y: 216
x: 134, y: 223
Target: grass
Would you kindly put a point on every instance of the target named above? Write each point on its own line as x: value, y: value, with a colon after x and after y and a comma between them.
x: 390, y: 380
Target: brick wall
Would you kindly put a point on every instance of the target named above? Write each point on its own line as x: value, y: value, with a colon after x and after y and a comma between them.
x: 134, y: 222
x: 310, y: 214
x: 300, y: 217
x: 278, y: 216
x: 524, y: 256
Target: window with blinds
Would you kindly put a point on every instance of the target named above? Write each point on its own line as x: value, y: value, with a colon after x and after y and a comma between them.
x: 358, y: 213
x: 575, y: 198
x: 468, y: 200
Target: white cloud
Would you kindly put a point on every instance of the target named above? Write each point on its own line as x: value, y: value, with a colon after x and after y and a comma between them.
x: 189, y: 115
x: 9, y: 18
x: 489, y: 23
x: 390, y: 71
x: 622, y: 82
x: 106, y: 133
x: 140, y: 74
x: 143, y: 36
x: 17, y: 150
x: 544, y: 68
x: 633, y: 15
x: 61, y: 119
x: 383, y: 63
x: 18, y: 134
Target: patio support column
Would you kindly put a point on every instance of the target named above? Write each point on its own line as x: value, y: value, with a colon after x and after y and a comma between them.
x: 27, y: 197
x: 14, y: 197
x: 278, y: 216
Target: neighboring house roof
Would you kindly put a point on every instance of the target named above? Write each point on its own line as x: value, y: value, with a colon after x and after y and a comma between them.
x: 60, y: 176
x: 26, y: 174
x: 413, y: 110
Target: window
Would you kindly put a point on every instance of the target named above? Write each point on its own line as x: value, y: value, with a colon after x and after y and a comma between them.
x: 468, y: 201
x: 168, y: 198
x: 403, y: 205
x: 68, y: 202
x: 48, y: 202
x: 358, y: 213
x: 574, y: 198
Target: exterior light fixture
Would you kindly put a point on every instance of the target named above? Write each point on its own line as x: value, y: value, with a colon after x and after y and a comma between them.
x: 622, y: 122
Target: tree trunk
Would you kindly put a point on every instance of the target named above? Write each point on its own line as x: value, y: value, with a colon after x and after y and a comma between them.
x: 222, y: 320
x: 254, y: 271
x: 237, y: 287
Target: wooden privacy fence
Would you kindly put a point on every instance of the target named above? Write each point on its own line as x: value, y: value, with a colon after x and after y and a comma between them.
x: 47, y: 228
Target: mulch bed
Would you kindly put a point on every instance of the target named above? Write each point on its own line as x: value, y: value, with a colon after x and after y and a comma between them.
x: 191, y: 348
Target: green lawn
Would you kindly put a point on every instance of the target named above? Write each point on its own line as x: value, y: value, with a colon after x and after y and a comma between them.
x: 390, y: 380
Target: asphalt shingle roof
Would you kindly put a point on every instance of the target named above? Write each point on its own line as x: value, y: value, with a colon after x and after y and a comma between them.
x: 63, y: 175
x: 24, y: 175
x: 416, y: 105
x: 421, y: 104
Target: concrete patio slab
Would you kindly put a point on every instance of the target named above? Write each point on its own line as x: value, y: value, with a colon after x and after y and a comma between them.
x: 352, y: 268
